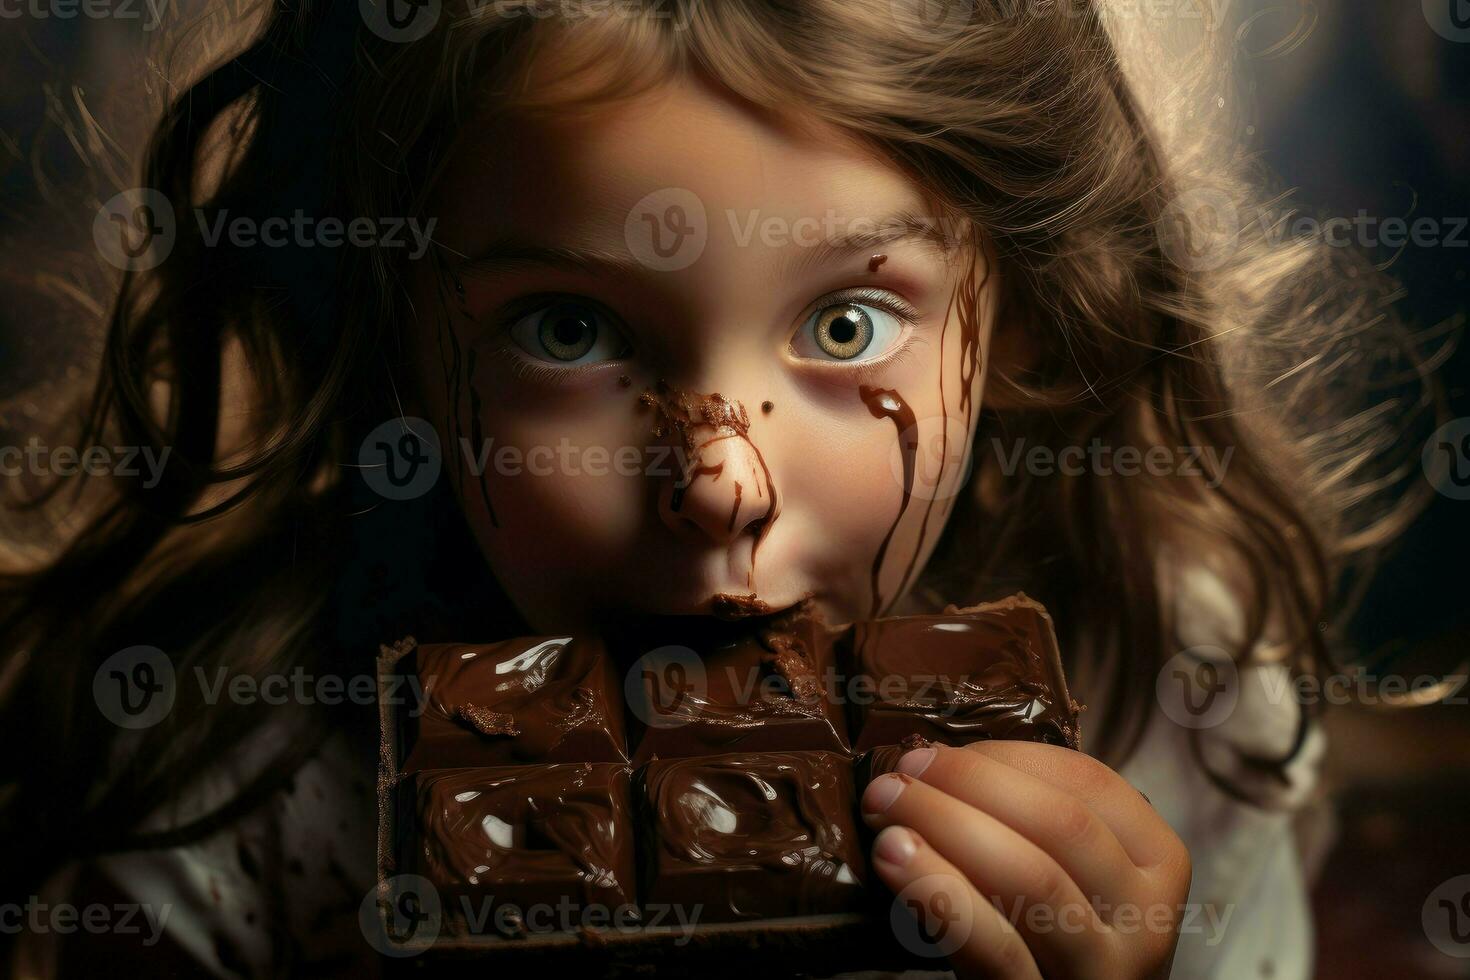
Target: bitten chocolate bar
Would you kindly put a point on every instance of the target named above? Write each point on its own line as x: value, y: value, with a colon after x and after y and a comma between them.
x: 751, y: 835
x: 986, y: 671
x: 738, y: 691
x: 535, y: 699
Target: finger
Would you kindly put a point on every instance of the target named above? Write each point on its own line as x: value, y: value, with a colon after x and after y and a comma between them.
x: 1056, y: 821
x: 952, y: 919
x: 1062, y: 930
x: 1149, y: 841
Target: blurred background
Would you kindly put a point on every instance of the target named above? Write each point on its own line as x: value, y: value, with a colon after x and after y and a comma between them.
x: 1361, y: 106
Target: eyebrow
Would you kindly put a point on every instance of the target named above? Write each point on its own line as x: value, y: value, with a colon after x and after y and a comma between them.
x: 903, y: 226
x: 876, y: 233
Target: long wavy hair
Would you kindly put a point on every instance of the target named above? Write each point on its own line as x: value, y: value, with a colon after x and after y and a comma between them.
x: 1065, y: 138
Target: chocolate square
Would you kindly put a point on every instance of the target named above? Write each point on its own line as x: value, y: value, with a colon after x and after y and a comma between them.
x: 737, y: 689
x: 523, y: 848
x: 751, y: 835
x: 988, y: 671
x: 529, y: 700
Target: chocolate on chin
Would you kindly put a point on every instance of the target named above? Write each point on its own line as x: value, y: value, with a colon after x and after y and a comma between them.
x: 751, y: 835
x: 534, y: 699
x: 530, y: 848
x: 753, y: 687
x: 986, y: 671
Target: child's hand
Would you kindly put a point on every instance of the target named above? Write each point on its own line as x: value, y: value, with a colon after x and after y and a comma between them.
x: 1030, y: 860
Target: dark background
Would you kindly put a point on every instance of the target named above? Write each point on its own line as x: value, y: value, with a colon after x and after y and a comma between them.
x: 1370, y: 111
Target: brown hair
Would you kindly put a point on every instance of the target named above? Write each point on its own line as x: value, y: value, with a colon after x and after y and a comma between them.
x: 1021, y: 119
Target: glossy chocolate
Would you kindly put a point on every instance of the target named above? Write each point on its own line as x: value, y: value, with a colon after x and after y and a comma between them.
x: 989, y: 671
x: 535, y: 699
x: 749, y: 689
x: 751, y: 835
x: 529, y: 837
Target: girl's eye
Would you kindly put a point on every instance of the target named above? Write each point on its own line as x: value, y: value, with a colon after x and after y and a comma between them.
x: 853, y: 328
x: 568, y: 332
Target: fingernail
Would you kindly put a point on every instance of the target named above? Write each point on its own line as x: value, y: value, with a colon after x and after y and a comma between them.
x: 895, y: 846
x: 881, y: 793
x: 914, y: 763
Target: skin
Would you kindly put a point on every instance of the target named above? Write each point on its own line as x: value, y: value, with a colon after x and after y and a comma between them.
x: 575, y: 548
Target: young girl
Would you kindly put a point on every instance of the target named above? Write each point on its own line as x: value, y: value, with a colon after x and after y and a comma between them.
x: 979, y: 303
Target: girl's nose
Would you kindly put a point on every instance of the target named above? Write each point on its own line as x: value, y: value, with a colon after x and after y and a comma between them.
x: 720, y: 490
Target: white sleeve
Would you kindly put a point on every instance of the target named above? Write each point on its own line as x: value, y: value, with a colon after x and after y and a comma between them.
x: 1248, y: 912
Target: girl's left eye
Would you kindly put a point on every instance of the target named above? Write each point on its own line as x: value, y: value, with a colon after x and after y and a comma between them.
x: 852, y: 328
x: 568, y: 333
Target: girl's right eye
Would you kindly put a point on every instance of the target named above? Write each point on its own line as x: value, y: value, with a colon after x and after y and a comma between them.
x: 568, y: 333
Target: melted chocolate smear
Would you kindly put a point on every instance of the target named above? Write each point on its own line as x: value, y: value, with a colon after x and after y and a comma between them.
x: 676, y: 501
x: 876, y: 261
x: 967, y: 296
x: 886, y: 403
x: 766, y: 406
x: 735, y: 508
x: 727, y: 605
x: 682, y: 412
x: 477, y: 433
x: 487, y: 722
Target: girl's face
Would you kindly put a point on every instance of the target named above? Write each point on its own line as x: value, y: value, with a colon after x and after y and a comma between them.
x: 678, y: 351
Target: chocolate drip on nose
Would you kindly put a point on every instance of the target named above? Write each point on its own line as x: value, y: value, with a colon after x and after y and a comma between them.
x: 887, y: 403
x: 685, y: 414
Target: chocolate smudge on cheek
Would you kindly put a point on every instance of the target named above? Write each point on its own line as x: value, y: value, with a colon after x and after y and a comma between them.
x: 876, y: 261
x: 684, y: 413
x: 767, y: 406
x: 887, y: 403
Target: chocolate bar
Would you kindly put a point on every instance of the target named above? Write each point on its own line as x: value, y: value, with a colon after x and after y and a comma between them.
x: 751, y: 835
x: 535, y: 699
x: 522, y: 849
x: 987, y: 671
x: 737, y: 690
